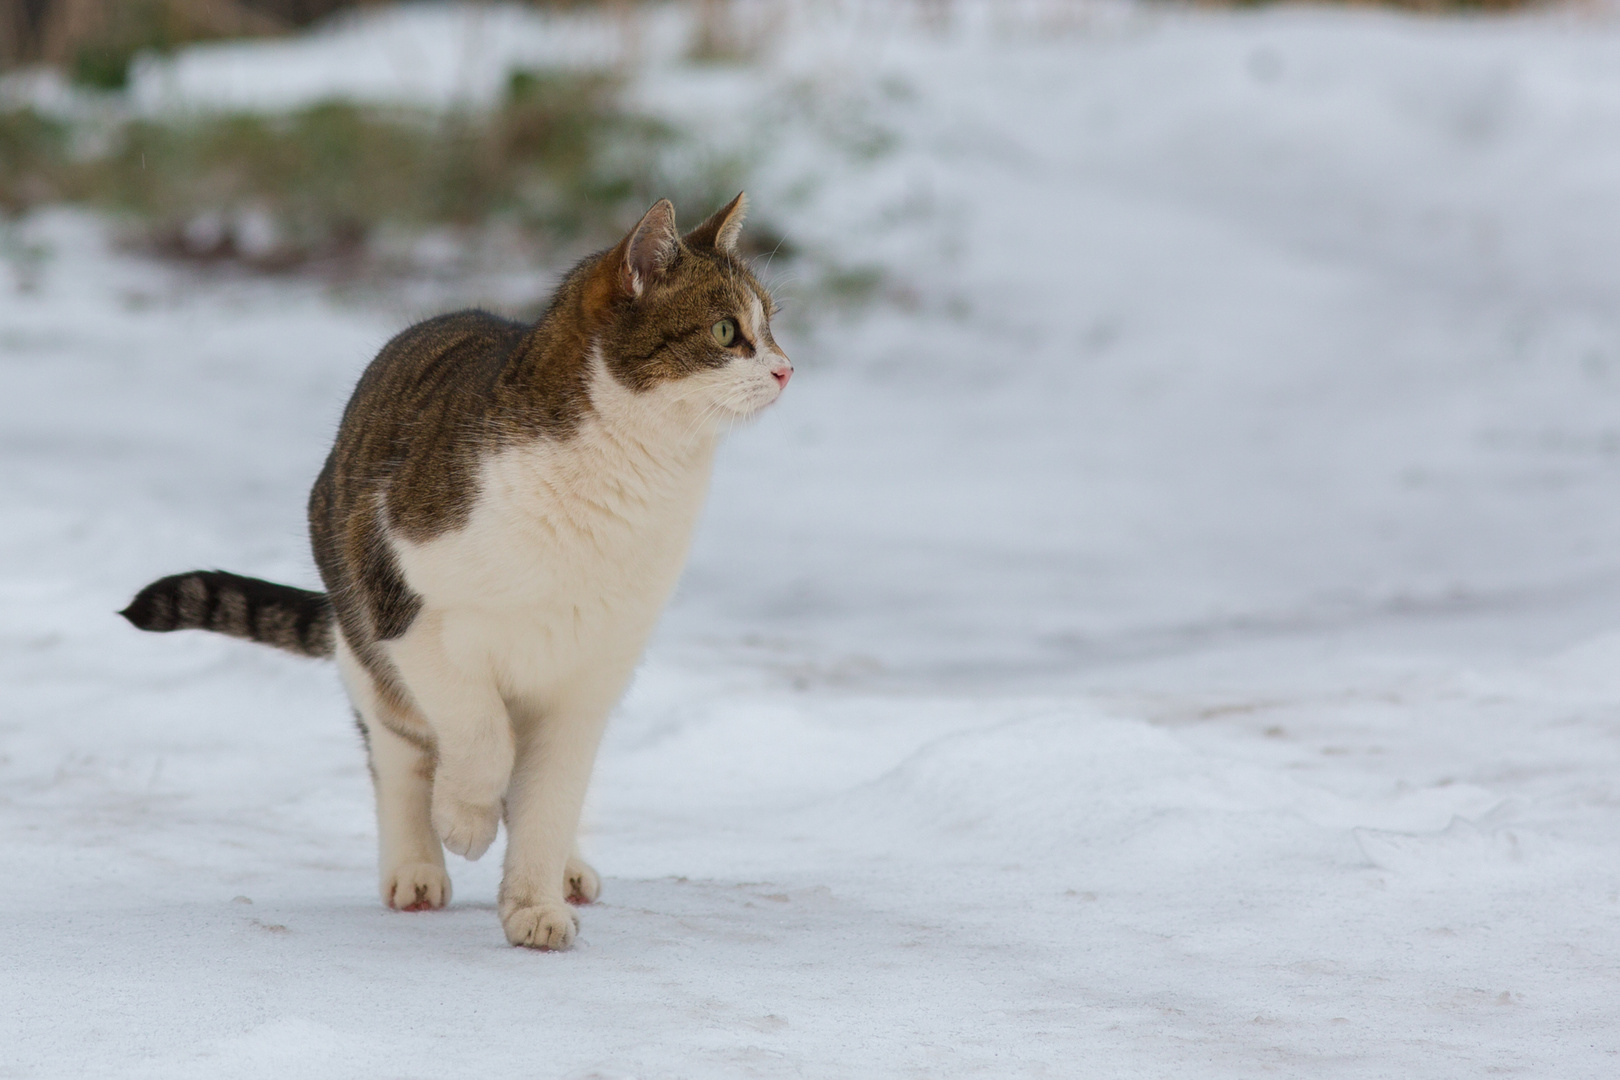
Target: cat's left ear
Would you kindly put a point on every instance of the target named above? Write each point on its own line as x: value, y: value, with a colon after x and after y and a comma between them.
x: 720, y: 231
x: 650, y: 248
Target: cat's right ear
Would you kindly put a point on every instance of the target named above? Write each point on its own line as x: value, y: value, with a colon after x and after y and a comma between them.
x: 649, y: 249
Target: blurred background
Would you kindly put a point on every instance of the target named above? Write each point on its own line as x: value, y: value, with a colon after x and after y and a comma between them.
x: 1168, y: 623
x: 1130, y: 326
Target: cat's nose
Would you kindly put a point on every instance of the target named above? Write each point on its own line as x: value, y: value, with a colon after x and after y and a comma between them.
x: 782, y: 371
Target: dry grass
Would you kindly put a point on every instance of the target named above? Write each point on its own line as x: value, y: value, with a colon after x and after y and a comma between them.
x: 95, y: 40
x: 559, y: 165
x: 33, y: 160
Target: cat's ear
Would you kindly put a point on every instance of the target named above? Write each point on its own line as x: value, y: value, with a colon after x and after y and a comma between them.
x: 650, y: 248
x: 720, y: 231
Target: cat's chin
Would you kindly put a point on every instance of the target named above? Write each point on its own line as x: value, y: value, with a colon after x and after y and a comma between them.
x: 729, y: 405
x: 744, y: 413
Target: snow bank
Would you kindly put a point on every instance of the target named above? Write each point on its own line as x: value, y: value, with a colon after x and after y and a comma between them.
x: 428, y: 55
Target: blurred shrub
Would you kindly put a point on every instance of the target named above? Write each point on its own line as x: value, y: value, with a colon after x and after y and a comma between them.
x: 561, y: 159
x: 119, y: 30
x: 33, y: 160
x: 95, y: 40
x: 272, y: 190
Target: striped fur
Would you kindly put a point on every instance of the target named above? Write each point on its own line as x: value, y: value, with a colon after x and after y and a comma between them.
x: 296, y: 620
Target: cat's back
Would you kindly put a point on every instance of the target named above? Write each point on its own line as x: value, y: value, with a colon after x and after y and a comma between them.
x: 456, y: 358
x: 417, y: 422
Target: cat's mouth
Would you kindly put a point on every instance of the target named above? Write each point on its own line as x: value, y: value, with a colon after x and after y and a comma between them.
x: 753, y: 395
x: 761, y: 398
x: 765, y: 394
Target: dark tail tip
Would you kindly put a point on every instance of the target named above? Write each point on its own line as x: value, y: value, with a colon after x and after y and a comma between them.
x: 154, y: 607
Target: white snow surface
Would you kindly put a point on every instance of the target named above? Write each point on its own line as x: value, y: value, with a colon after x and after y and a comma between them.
x: 1172, y: 632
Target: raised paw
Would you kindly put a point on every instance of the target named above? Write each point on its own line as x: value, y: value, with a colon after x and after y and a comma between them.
x: 416, y: 886
x: 465, y: 828
x: 580, y: 882
x: 541, y: 926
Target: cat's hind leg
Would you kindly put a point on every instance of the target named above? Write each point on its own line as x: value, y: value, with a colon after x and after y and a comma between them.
x: 411, y: 873
x: 472, y: 732
x: 411, y: 869
x: 580, y: 878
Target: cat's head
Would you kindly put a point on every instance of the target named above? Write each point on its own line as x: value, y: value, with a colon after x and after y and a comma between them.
x: 684, y: 324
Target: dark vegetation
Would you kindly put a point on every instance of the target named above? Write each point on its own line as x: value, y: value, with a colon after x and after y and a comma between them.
x: 560, y: 163
x: 95, y: 40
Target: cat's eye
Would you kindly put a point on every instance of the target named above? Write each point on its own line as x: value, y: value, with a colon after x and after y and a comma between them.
x: 725, y: 332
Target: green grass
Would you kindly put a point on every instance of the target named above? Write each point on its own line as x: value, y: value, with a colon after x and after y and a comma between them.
x: 561, y: 162
x: 111, y: 33
x: 361, y: 193
x: 33, y: 160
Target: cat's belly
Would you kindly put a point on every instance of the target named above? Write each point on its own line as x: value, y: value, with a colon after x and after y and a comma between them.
x: 542, y: 590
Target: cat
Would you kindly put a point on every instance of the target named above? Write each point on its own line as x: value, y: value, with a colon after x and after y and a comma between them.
x: 504, y: 513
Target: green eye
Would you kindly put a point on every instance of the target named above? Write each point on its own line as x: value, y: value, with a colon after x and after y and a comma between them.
x: 725, y: 332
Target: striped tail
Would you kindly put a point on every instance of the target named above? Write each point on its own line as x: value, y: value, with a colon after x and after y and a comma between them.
x: 293, y: 619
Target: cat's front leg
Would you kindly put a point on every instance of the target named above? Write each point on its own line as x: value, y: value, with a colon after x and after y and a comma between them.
x: 543, y: 869
x: 473, y: 734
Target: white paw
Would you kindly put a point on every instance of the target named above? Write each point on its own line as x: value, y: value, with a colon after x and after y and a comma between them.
x: 541, y: 926
x: 465, y: 828
x: 580, y: 883
x: 416, y: 886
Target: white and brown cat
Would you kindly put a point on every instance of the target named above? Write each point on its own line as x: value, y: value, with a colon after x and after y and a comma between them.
x: 501, y: 520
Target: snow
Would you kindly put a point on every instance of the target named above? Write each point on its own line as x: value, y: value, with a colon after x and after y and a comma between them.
x: 1171, y: 632
x: 439, y: 56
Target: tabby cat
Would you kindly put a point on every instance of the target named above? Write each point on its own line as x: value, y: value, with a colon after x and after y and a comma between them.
x: 501, y: 520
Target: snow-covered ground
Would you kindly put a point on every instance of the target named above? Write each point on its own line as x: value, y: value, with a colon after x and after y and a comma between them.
x: 1171, y: 633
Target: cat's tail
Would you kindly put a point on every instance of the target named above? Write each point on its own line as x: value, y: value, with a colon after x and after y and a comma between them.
x: 297, y: 620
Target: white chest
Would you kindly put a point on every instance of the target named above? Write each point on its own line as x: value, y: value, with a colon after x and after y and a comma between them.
x: 568, y: 557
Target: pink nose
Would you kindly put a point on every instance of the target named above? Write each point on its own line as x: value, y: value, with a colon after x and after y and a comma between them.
x: 782, y: 373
